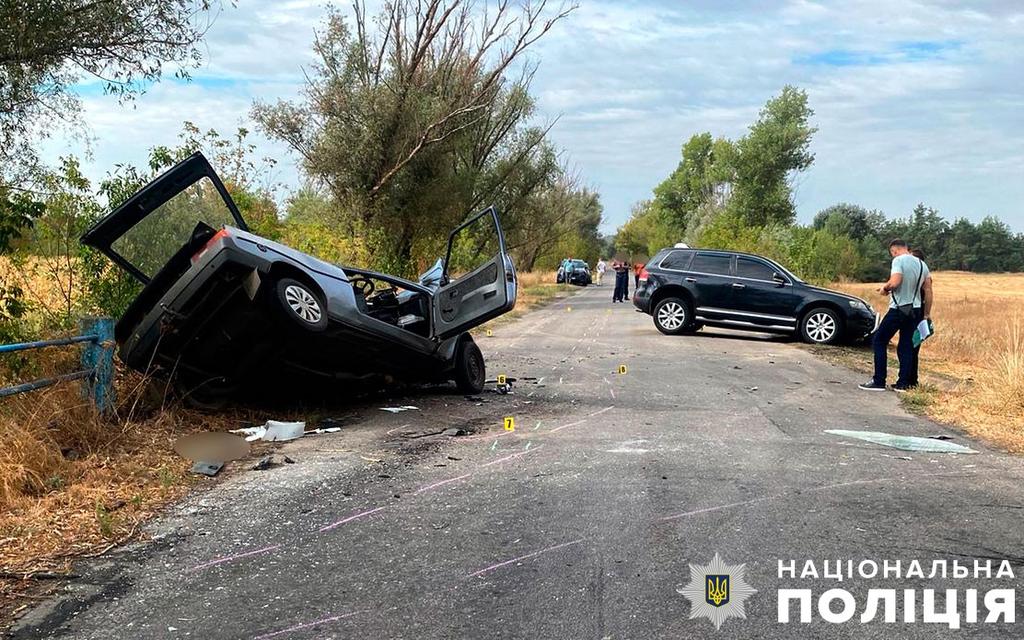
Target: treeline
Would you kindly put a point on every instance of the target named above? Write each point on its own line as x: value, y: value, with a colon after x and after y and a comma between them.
x: 410, y: 121
x: 737, y: 194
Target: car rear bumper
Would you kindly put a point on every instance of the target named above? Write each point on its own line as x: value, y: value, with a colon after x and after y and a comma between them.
x: 642, y: 299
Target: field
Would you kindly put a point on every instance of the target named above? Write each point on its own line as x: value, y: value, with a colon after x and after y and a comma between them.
x: 973, y: 367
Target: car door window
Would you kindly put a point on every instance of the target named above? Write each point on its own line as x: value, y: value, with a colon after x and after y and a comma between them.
x: 677, y: 260
x: 753, y: 269
x: 711, y: 263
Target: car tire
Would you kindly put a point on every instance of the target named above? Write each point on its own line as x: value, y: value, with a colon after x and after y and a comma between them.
x: 672, y: 316
x: 301, y: 304
x: 470, y: 370
x: 821, y: 325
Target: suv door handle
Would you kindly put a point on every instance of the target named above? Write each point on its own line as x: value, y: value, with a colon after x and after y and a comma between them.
x: 738, y: 285
x: 688, y: 279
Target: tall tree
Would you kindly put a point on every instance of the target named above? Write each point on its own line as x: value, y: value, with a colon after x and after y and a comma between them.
x: 46, y: 46
x: 414, y: 122
x: 776, y: 148
x: 701, y: 180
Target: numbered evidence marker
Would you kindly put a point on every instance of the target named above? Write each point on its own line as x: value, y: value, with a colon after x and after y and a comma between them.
x: 502, y: 379
x: 510, y: 423
x: 622, y: 369
x: 489, y: 333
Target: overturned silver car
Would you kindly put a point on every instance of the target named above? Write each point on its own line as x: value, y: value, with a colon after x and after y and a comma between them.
x: 225, y: 312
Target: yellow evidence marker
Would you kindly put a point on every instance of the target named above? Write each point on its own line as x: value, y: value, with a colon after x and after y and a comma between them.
x: 568, y: 308
x: 510, y: 423
x: 622, y: 369
x: 489, y: 333
x: 501, y: 378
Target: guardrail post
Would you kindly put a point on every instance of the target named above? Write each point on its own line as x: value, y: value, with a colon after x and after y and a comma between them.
x: 98, y: 355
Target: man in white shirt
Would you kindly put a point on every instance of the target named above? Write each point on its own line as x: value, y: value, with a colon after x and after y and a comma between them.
x: 601, y: 266
x: 908, y: 286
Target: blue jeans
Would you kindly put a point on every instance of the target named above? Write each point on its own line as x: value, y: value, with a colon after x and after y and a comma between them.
x: 895, y: 322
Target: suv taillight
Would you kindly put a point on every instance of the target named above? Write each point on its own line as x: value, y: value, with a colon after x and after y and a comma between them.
x: 223, y: 233
x: 643, y: 275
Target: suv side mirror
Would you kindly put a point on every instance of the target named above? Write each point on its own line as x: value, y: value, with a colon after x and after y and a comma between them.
x: 777, y: 278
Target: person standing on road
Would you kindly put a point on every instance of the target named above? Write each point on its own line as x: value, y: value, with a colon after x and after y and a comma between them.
x: 621, y: 292
x: 569, y: 268
x: 907, y: 279
x: 601, y: 266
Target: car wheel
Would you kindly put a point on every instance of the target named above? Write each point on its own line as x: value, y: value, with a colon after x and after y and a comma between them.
x: 672, y: 316
x: 302, y: 304
x: 470, y: 371
x: 821, y: 326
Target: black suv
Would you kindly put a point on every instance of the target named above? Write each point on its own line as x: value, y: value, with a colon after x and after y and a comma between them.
x: 685, y: 289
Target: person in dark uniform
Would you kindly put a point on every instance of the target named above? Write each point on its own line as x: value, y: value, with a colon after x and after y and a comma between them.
x: 621, y: 281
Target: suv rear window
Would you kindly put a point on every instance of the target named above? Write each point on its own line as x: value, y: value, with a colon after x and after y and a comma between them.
x: 678, y: 260
x: 753, y: 269
x: 712, y: 263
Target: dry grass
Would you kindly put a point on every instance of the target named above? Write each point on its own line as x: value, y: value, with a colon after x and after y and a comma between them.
x: 73, y: 483
x: 975, y: 360
x: 536, y: 289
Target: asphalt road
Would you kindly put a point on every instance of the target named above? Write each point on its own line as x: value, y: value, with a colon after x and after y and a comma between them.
x: 580, y: 523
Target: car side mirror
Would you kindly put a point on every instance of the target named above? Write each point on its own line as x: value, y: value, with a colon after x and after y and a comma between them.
x: 778, y: 279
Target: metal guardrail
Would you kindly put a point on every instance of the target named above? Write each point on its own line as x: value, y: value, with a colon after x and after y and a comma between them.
x: 97, y: 371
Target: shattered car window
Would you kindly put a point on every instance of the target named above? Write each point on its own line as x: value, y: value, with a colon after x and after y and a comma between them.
x: 151, y: 243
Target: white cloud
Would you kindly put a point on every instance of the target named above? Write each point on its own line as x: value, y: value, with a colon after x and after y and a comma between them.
x: 915, y: 101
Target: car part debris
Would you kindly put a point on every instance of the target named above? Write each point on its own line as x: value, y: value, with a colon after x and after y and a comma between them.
x: 283, y: 431
x: 211, y: 446
x: 271, y: 461
x: 317, y: 432
x: 251, y: 433
x: 274, y: 431
x: 453, y: 431
x: 264, y: 463
x: 905, y: 443
x: 400, y: 409
x: 207, y: 468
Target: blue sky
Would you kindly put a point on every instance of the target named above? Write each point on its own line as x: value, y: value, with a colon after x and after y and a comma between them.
x: 916, y: 101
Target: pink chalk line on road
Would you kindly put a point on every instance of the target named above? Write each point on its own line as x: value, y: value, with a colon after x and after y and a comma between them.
x: 306, y: 625
x: 441, y: 482
x: 581, y: 421
x: 521, y: 558
x: 509, y: 457
x: 235, y: 557
x: 349, y: 519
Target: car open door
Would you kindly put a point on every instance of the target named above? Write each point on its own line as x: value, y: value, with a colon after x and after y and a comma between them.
x: 479, y: 280
x: 183, y: 206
